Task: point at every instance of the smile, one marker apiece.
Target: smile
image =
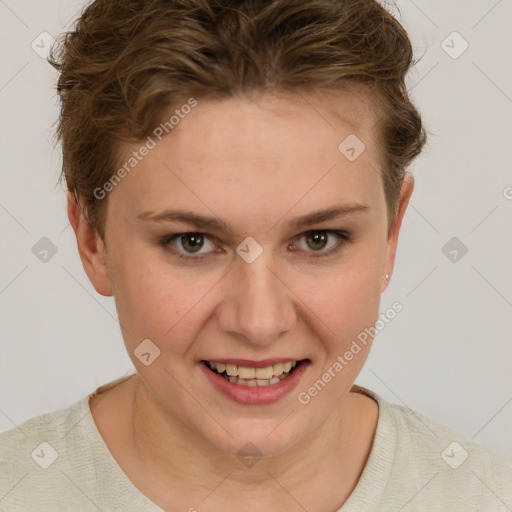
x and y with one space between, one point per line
251 382
252 377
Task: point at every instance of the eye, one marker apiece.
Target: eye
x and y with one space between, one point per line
195 246
190 243
323 242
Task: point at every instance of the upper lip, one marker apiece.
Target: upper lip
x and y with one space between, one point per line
252 364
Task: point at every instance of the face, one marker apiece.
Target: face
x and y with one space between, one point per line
243 242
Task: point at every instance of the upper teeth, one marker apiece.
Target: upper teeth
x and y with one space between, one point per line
246 372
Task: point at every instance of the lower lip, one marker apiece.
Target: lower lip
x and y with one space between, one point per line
255 395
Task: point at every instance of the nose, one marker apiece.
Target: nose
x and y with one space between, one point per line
258 306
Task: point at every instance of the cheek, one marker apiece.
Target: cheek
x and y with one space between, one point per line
347 295
346 306
156 301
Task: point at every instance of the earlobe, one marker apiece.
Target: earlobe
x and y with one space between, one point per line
90 247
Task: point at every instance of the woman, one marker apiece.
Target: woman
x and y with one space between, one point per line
237 179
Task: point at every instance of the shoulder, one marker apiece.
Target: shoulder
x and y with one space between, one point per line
427 436
59 461
50 462
50 428
438 464
34 455
52 437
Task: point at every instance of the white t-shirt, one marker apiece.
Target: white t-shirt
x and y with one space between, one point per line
59 462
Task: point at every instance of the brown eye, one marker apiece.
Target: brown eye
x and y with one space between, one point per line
316 240
189 243
324 242
192 242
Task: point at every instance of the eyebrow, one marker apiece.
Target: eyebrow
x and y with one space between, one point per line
214 223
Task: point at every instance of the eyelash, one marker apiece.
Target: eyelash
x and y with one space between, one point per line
344 237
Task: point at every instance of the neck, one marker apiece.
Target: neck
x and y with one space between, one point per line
330 457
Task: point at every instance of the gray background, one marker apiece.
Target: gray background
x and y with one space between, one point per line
447 354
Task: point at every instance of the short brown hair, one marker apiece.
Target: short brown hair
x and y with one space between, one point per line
125 60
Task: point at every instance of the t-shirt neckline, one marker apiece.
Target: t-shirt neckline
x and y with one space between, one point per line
367 493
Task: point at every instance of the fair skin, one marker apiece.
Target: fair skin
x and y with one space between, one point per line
256 165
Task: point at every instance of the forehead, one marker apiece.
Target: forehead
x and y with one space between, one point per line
260 154
255 127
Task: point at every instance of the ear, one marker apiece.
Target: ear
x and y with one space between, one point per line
405 195
90 247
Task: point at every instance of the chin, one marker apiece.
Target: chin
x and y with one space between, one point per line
257 438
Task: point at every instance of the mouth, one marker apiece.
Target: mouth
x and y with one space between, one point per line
255 382
252 376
